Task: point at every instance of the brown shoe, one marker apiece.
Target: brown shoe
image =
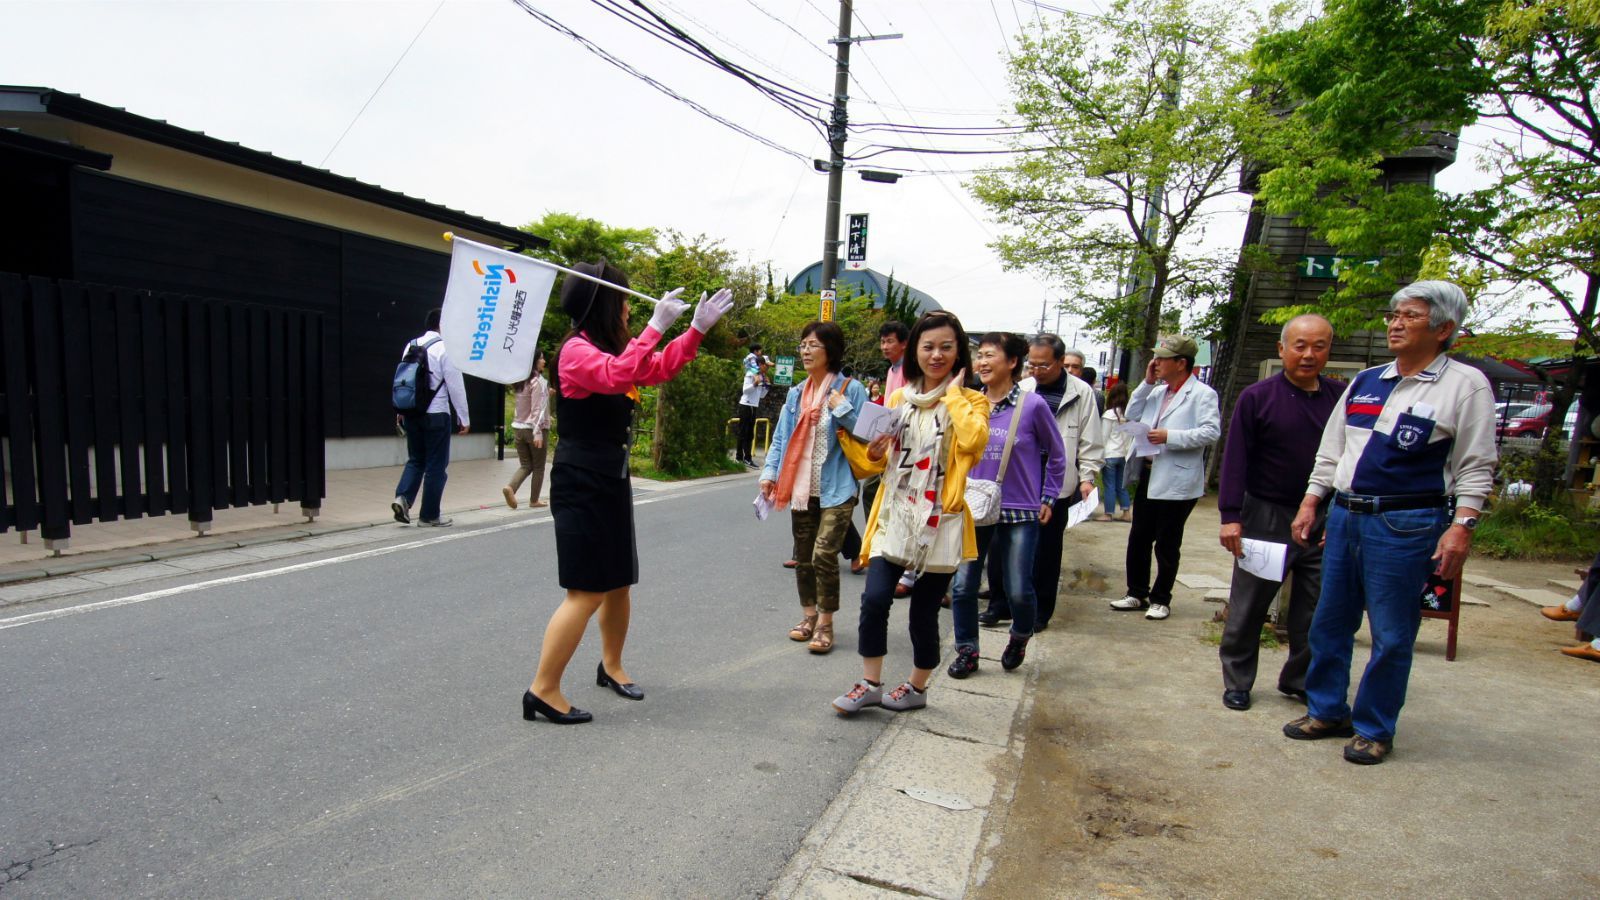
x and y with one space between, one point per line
789 564
511 497
823 641
1558 614
1125 516
1306 728
1582 651
901 589
858 566
804 631
1363 752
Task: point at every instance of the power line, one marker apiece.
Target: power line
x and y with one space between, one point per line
385 81
556 26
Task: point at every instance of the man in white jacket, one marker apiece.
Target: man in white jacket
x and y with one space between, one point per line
1184 419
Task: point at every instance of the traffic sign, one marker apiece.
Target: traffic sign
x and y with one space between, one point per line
856 250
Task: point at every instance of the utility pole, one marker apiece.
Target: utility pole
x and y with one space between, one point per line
837 128
836 134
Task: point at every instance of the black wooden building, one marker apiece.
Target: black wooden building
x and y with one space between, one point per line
103 210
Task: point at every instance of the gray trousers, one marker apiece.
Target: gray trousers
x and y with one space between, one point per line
1250 599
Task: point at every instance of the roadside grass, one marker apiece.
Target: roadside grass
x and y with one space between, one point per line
640 465
1522 529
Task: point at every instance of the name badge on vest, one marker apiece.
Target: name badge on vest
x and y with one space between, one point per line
1410 432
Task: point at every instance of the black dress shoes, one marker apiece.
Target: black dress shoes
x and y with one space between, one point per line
1236 699
991 617
630 690
532 705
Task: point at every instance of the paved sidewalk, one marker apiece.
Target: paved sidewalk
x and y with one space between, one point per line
357 498
916 813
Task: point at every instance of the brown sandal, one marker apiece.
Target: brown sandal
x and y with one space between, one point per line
804 631
823 642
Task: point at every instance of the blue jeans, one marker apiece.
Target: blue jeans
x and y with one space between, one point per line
427 456
1014 545
1115 491
1377 563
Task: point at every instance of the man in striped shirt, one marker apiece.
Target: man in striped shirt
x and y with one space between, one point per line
1406 439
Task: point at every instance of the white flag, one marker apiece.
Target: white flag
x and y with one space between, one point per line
492 309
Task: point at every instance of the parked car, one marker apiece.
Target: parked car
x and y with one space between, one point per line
1527 421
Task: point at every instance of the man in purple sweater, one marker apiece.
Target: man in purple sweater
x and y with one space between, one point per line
1272 445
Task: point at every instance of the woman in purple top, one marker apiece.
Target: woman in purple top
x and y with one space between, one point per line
1033 479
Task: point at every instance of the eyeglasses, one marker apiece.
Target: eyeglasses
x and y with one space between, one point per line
808 345
1406 316
1040 367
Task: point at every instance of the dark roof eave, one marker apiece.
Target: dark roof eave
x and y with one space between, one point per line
71 153
87 112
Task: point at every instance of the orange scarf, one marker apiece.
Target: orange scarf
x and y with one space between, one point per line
794 476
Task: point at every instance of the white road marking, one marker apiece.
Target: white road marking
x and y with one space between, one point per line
51 614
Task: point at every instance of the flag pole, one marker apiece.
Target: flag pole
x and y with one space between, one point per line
450 236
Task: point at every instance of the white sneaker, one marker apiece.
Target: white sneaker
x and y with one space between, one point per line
1128 603
1158 611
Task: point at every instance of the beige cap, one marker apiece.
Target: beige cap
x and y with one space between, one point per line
1176 345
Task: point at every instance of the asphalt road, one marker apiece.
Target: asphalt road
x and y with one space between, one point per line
353 729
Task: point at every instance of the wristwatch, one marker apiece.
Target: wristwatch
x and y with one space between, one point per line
1470 523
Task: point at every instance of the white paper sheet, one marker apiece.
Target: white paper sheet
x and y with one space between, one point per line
1263 559
1141 439
763 507
873 420
1080 511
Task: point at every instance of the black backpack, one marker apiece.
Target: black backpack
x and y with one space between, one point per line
413 393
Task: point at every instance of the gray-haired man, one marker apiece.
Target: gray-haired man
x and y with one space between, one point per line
1406 439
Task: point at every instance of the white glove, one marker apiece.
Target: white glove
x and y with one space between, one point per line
667 311
707 312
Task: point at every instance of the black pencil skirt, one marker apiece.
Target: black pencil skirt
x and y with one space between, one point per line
595 546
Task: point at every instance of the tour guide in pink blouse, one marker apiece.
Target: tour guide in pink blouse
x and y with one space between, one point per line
591 499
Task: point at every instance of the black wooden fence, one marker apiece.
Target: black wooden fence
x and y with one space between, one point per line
118 403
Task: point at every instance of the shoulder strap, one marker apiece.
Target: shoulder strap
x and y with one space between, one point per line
1011 437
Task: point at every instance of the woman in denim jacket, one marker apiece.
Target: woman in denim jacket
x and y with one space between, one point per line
806 471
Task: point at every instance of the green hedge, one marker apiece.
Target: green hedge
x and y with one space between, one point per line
691 413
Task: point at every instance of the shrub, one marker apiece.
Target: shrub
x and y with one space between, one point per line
692 410
1524 529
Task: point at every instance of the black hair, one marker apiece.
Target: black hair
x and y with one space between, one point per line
1117 397
430 322
533 369
1015 349
831 337
755 348
929 321
1058 347
602 322
898 329
1089 375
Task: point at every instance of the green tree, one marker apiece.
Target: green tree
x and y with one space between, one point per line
1151 100
574 239
1370 79
898 305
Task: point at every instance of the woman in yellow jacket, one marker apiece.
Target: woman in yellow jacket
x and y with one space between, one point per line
919 522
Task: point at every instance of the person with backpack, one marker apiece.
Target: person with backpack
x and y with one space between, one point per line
430 402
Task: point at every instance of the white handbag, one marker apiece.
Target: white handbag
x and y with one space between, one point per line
982 495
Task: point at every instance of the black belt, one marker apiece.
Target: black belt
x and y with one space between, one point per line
1363 503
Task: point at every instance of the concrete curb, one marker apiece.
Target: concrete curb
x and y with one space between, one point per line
876 841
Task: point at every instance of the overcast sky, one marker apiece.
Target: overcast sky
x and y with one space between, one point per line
494 113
